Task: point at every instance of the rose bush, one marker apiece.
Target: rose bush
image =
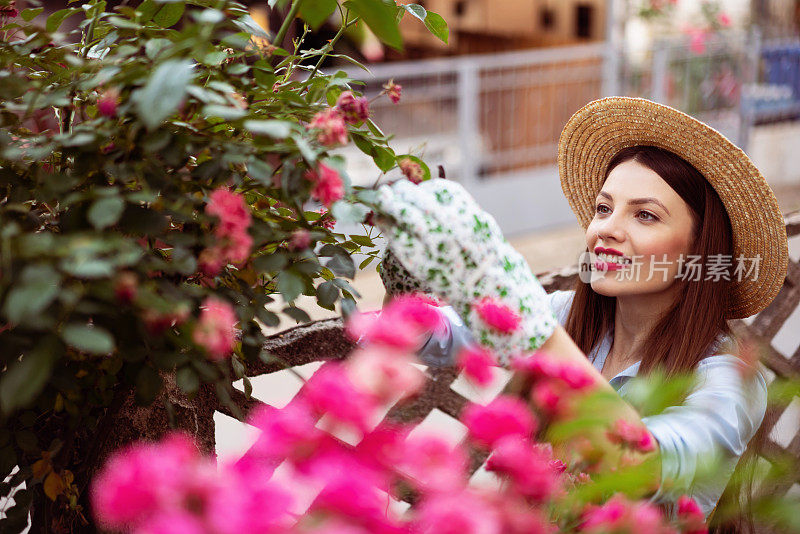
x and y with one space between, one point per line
162 170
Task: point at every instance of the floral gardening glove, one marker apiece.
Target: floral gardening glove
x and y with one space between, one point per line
396 278
441 236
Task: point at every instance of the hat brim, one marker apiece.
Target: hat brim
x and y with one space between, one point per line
602 128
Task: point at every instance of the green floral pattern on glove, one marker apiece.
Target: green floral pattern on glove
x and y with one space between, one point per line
441 236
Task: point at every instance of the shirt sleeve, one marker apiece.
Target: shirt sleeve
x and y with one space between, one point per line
442 348
702 439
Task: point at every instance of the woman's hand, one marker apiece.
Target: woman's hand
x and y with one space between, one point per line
442 237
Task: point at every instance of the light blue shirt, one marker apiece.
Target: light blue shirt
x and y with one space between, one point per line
700 441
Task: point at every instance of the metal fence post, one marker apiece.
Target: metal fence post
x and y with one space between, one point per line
658 87
468 123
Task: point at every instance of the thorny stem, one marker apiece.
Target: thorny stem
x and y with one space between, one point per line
287 21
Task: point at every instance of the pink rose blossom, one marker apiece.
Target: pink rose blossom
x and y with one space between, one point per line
411 170
724 19
387 375
300 240
384 447
393 90
497 315
330 391
9 10
431 464
355 109
328 185
631 435
619 514
173 522
504 416
216 328
402 323
126 287
288 432
231 230
107 103
691 516
697 40
529 468
457 513
330 126
326 220
477 363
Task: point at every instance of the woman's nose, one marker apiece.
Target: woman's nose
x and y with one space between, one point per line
610 228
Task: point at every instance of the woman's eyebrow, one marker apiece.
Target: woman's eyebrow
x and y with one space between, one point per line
644 200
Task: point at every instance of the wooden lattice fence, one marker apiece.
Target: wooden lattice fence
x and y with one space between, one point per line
445 393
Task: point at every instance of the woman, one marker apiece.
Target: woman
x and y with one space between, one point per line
655 191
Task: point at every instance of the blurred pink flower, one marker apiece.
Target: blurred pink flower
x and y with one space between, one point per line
504 416
234 241
530 469
388 375
724 19
173 522
621 515
477 363
355 109
497 315
457 513
330 391
432 465
326 220
107 103
631 435
141 479
300 239
401 324
691 516
216 329
285 432
328 185
411 170
697 40
393 90
330 126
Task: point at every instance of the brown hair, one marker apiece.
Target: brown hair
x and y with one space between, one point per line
681 338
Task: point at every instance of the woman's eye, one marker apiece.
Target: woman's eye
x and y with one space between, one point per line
647 216
601 208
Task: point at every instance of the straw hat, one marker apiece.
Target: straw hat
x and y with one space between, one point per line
604 127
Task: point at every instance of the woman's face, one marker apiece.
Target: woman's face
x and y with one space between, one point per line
639 216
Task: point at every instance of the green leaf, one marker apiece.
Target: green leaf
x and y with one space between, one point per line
247 24
416 10
272 128
380 18
290 285
27 377
342 265
270 263
91 339
30 14
327 294
383 157
223 112
38 286
164 91
105 212
437 26
267 317
348 213
297 314
187 380
362 240
169 14
54 20
315 12
366 262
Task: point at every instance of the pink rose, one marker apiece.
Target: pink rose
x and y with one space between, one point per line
355 109
393 90
328 185
503 417
477 363
330 126
216 329
631 435
530 469
300 240
107 103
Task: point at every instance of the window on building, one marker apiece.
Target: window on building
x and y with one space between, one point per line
547 18
584 17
